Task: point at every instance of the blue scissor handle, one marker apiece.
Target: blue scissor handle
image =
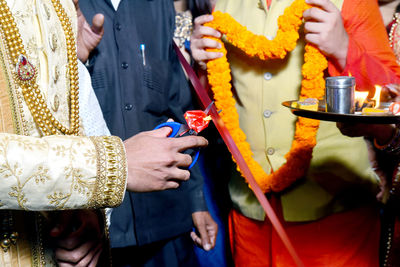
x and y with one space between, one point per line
176 126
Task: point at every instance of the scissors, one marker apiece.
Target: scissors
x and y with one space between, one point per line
179 129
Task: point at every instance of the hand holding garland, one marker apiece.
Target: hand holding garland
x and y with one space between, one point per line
198 44
324 28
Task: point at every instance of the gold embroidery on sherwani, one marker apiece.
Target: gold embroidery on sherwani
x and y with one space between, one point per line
20 254
23 14
109 185
28 165
47 11
26 74
28 15
34 171
32 49
12 121
7 122
41 175
74 175
37 248
91 156
14 171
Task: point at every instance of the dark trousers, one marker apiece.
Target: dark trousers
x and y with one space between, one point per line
174 252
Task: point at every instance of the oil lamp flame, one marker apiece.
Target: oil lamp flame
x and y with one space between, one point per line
377 96
359 98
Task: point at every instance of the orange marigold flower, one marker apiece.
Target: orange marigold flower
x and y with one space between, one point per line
313 84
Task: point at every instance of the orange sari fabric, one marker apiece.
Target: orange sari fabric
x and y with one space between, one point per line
370 58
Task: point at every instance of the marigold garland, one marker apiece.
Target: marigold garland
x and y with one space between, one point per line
313 84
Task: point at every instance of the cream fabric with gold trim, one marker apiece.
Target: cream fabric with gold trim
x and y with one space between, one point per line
60 162
55 172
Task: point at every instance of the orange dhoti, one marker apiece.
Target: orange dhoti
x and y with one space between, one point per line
349 238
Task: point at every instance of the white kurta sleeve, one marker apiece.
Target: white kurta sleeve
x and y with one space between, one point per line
89 108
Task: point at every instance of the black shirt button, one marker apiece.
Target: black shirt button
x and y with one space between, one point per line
124 65
128 107
118 26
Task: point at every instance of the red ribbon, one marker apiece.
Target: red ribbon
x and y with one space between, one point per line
226 136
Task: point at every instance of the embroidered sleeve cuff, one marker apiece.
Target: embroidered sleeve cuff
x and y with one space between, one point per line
111 172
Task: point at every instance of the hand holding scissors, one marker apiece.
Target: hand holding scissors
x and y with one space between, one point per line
197 120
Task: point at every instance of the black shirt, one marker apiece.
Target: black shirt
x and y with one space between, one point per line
135 97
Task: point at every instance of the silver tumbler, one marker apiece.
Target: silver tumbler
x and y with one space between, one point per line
339 94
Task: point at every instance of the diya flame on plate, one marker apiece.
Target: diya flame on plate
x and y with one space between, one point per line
369 106
377 96
361 101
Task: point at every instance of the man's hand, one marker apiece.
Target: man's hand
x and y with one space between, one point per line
381 132
207 228
88 36
324 28
155 161
78 238
198 44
